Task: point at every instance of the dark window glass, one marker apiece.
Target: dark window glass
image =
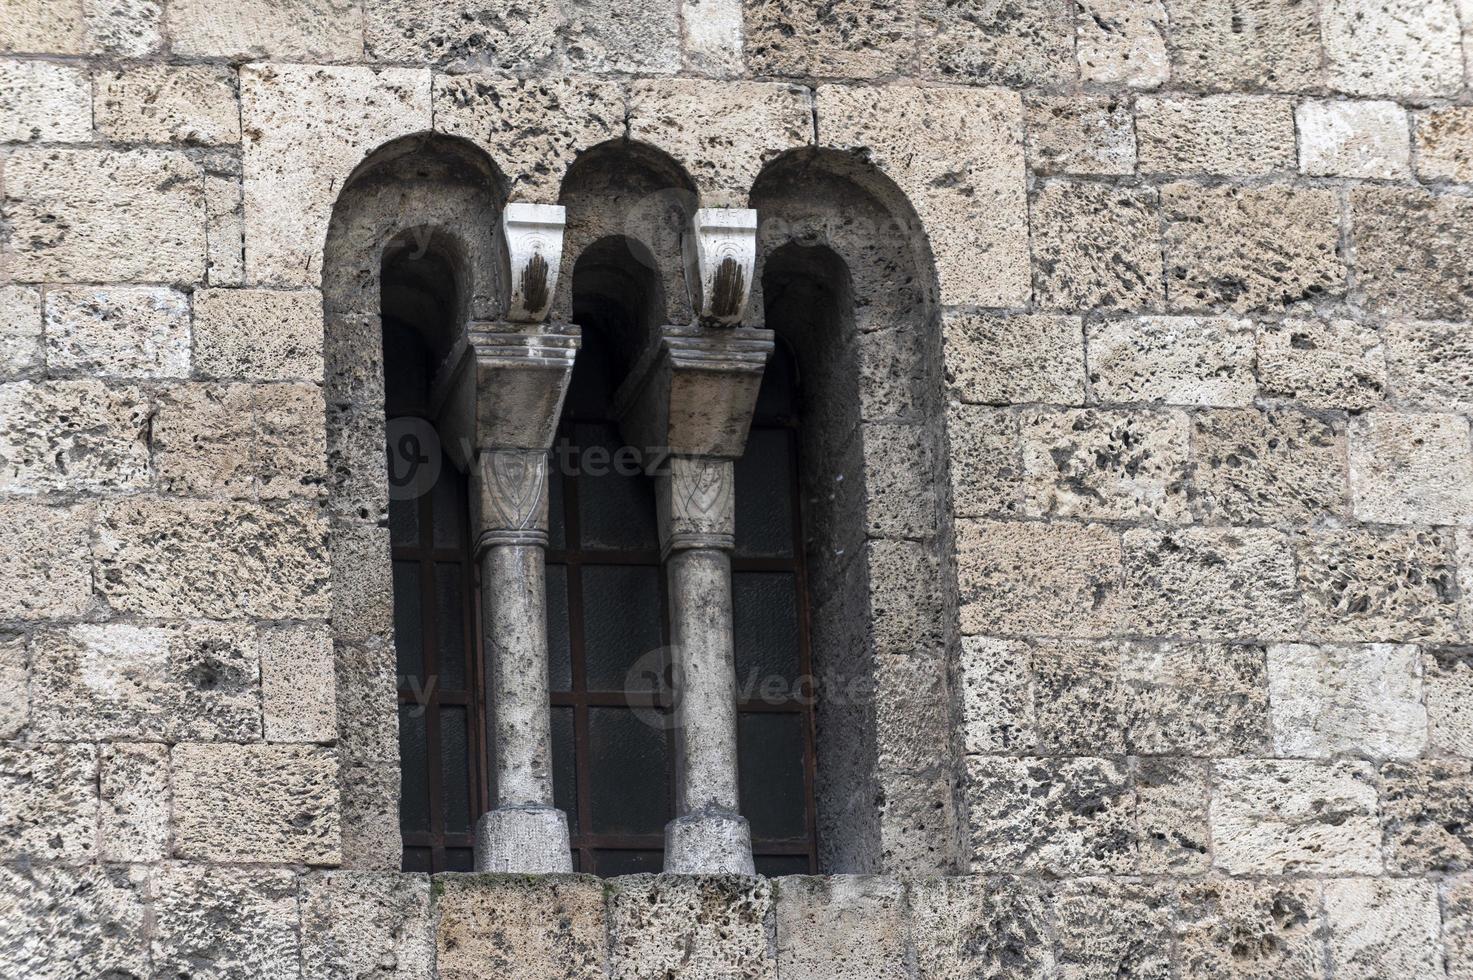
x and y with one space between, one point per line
629 779
622 621
770 749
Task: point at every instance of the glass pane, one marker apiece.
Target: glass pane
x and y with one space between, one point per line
770 767
777 865
564 771
408 643
765 624
559 644
404 522
627 772
616 502
764 495
449 506
460 859
557 536
450 625
417 859
455 769
612 863
621 621
775 397
414 769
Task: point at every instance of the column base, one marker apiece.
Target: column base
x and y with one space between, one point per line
709 842
524 840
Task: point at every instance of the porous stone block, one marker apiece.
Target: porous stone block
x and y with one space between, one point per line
1259 929
1220 135
1411 469
1111 927
258 803
1251 248
44 101
847 39
1118 42
976 926
1322 363
986 465
1457 926
997 696
371 839
918 822
204 440
194 104
133 781
367 924
124 28
181 682
172 558
22 347
1205 361
362 593
298 697
1295 817
1038 579
73 922
48 802
1275 467
1410 257
686 927
105 216
1023 44
306 30
1171 811
1384 927
713 32
495 34
1105 464
1362 585
224 231
1463 559
957 155
224 922
305 129
1080 135
1064 816
1353 139
1444 138
1431 364
1213 583
117 331
904 605
608 36
1270 45
1427 811
1447 684
15 698
1392 47
73 436
844 927
1343 700
1096 246
1193 699
47 570
258 334
291 441
520 927
1077 698
1002 359
366 688
899 480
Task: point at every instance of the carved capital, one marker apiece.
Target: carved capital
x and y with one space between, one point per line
697 503
533 236
720 250
509 497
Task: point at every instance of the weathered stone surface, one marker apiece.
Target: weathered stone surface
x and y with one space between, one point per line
224 231
1250 248
1427 809
918 822
713 31
904 608
1111 927
1431 364
1096 246
125 28
492 33
170 558
258 334
899 474
291 441
1294 817
41 100
1004 360
204 440
72 922
1353 139
1265 930
366 924
1445 143
1392 47
1171 811
15 698
169 104
1340 700
1103 464
997 697
844 927
261 803
224 922
298 698
1077 698
986 468
183 682
362 581
1447 684
73 435
307 30
1030 42
681 927
1193 699
134 784
1038 579
47 573
1463 559
1411 469
1457 926
1210 583
1322 363
1409 253
1383 928
371 839
366 688
848 39
1221 135
1244 44
957 155
608 36
1080 135
305 129
105 216
22 348
121 331
48 802
1362 585
975 926
1120 42
1073 816
1174 360
520 928
1274 467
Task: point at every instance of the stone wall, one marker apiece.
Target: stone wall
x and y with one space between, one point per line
1202 293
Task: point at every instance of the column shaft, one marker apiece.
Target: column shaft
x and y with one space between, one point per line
706 717
515 621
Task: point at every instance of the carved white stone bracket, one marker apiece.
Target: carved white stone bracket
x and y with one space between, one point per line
720 251
533 236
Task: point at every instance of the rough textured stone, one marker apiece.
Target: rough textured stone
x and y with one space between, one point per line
1109 927
1038 579
608 36
306 30
298 699
980 927
170 558
986 465
1353 139
1171 811
1294 817
1004 360
1221 135
1077 698
260 803
848 39
1193 699
48 802
1322 363
43 101
124 28
169 104
1173 360
492 33
1017 43
1445 143
224 922
1250 248
841 928
47 573
105 216
366 924
1427 809
1074 135
899 473
1105 464
1211 583
1071 816
72 922
1121 42
1457 927
1411 469
73 435
225 231
1447 683
1392 47
22 348
362 581
1264 930
15 699
371 839
1338 700
1383 928
520 928
291 441
1244 44
1274 467
134 785
680 927
185 682
1096 246
1362 585
122 331
1409 253
365 684
258 334
1431 364
203 440
713 31
918 822
1463 559
997 698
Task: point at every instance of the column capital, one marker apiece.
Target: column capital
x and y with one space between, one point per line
720 253
509 498
532 242
697 504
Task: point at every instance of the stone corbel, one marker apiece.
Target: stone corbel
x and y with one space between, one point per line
533 247
720 250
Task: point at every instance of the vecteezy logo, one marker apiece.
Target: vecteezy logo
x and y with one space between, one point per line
653 688
414 457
